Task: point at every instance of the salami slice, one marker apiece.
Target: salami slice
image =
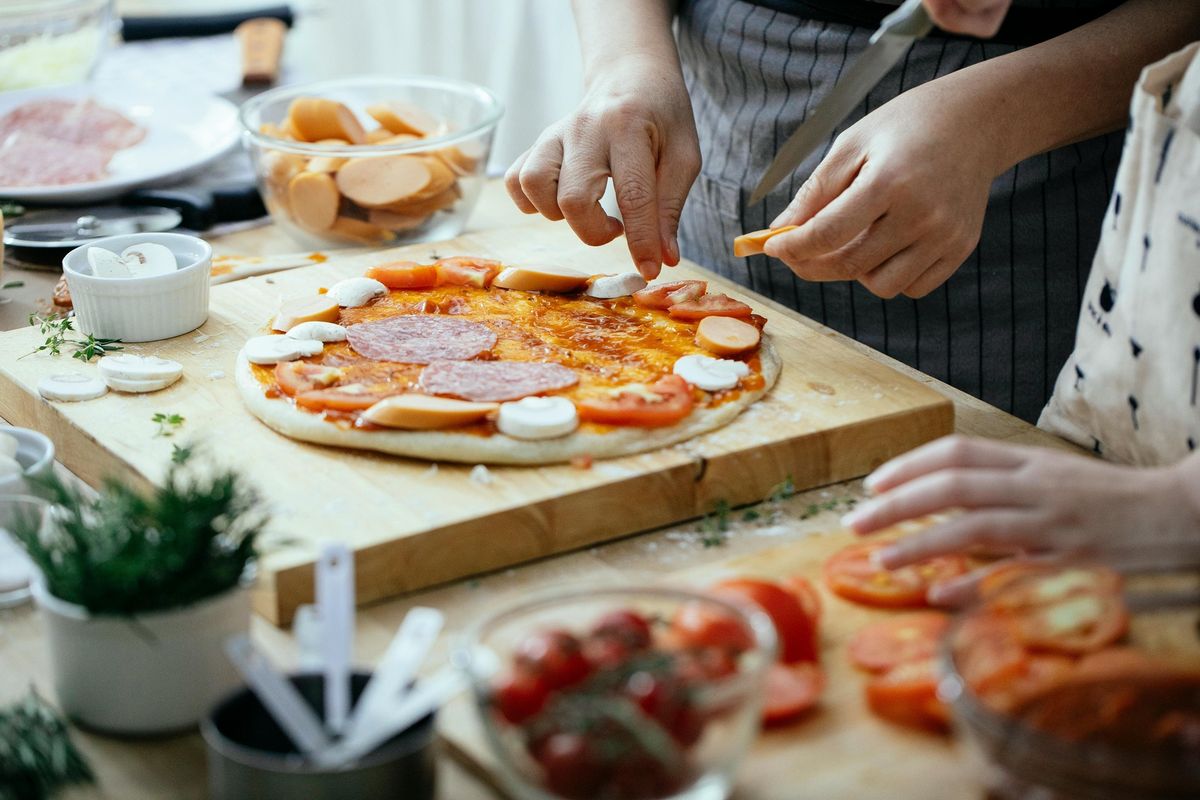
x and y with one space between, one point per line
492 381
420 339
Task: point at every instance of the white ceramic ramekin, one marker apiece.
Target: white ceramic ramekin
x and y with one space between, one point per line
142 309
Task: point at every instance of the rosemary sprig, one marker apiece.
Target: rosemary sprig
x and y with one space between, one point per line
37 756
12 284
167 425
56 331
126 553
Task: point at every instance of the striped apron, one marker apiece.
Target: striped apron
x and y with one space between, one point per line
1003 325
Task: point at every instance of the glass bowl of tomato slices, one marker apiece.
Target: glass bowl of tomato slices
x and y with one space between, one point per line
1076 683
591 694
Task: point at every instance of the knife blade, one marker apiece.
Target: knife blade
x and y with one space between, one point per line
888 45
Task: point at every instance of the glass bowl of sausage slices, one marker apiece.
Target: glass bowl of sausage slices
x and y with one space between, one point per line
1074 682
371 161
593 694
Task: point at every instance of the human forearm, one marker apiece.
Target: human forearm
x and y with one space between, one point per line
1071 87
616 29
1186 475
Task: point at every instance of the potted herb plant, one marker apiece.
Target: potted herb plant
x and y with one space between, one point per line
139 591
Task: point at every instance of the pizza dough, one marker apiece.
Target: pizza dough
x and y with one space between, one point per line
470 448
458 345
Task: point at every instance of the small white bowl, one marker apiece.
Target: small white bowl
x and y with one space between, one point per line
142 309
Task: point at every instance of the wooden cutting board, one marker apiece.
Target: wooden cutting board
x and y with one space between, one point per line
834 414
840 750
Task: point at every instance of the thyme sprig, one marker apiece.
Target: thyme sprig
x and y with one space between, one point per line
125 553
37 756
56 331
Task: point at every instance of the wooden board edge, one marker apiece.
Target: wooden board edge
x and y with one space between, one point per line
685 491
78 450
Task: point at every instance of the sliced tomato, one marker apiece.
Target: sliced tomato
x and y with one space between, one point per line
297 377
790 691
336 400
635 410
908 637
710 305
699 625
1037 673
810 599
665 295
405 275
988 652
466 271
1020 586
1079 623
1112 662
795 629
852 574
907 695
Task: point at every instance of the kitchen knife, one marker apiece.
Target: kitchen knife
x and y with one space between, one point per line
888 45
139 29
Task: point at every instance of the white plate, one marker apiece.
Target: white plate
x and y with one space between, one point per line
183 134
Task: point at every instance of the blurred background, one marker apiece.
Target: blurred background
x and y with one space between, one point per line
525 51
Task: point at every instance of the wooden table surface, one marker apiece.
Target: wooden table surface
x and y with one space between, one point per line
174 767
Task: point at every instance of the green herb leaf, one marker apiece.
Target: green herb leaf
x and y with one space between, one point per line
180 455
37 756
12 285
91 347
167 423
124 552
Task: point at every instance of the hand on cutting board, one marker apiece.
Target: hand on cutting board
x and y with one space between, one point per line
898 202
634 125
973 17
1021 500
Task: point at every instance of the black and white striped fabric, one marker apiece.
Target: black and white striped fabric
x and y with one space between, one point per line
1003 326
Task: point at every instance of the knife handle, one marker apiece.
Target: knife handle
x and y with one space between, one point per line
910 19
262 46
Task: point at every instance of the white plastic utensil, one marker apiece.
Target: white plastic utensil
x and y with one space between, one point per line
335 609
404 656
429 694
306 628
278 695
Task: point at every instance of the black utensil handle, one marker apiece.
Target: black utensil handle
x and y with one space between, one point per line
200 208
134 29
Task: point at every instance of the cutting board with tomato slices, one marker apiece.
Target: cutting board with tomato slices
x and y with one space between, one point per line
839 749
834 414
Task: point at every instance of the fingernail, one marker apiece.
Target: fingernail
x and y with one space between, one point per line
673 251
870 482
884 557
851 519
938 594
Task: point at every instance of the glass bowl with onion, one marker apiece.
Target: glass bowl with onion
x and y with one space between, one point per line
1071 681
589 694
371 161
52 42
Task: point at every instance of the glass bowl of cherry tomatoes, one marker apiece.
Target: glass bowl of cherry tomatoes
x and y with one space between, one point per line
593 694
1072 681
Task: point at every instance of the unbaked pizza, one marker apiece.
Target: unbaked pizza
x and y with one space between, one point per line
467 359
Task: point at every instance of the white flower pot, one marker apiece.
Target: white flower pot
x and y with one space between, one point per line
153 673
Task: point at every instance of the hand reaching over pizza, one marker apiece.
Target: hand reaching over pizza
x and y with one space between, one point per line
467 359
